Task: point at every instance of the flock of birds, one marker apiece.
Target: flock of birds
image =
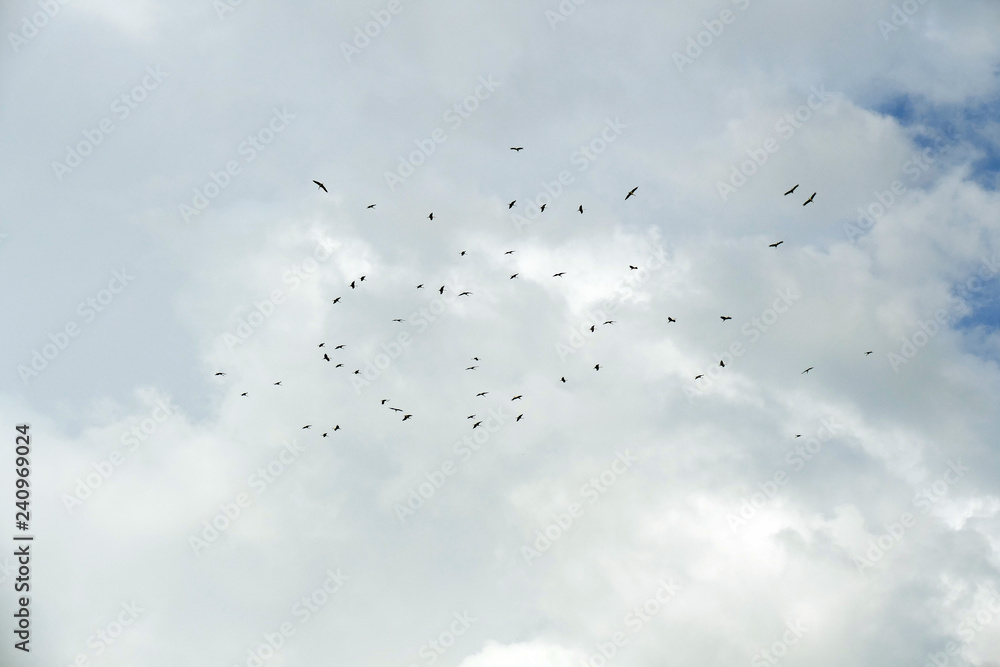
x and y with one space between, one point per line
597 367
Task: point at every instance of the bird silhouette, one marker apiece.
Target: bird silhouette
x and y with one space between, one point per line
430 217
792 190
698 377
811 197
725 317
633 268
339 347
398 320
462 254
321 186
559 275
475 358
511 205
337 427
807 370
591 328
384 401
471 417
563 379
220 373
371 205
513 276
277 384
339 366
722 364
396 409
775 245
420 286
476 425
610 322
670 319
306 426
517 148
441 291
519 418
516 397
326 357
472 368
321 344
581 208
243 394
868 352
337 300
352 285
631 193
482 393
597 367
362 278
510 252
465 294
542 209
405 417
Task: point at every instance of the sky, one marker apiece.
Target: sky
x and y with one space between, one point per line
551 470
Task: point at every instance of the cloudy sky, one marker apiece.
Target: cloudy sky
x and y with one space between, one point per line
161 226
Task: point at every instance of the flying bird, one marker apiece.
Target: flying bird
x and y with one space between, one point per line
337 300
306 426
516 397
807 370
511 205
371 205
591 328
670 319
405 417
631 193
471 417
420 286
513 276
337 427
792 190
321 186
811 197
510 252
597 367
326 357
610 322
465 294
725 317
441 291
542 209
277 384
775 245
396 409
462 253
384 401
563 379
517 148
476 425
430 217
243 394
321 345
633 268
868 352
698 377
472 368
398 320
352 285
559 275
357 372
362 278
581 208
220 373
339 347
339 366
722 364
482 393
519 418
